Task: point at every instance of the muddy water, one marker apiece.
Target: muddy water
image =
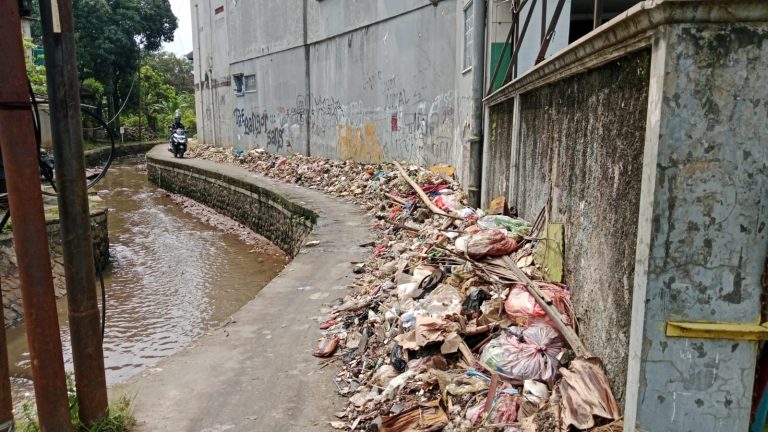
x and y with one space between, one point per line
171 279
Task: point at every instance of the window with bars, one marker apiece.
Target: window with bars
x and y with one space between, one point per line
250 83
237 83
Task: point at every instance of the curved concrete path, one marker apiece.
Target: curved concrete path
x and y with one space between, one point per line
257 373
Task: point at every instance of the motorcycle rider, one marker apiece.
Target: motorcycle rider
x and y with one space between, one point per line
175 125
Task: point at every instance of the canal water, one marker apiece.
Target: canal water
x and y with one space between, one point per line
171 279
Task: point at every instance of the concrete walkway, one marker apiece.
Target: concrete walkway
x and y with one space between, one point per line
257 373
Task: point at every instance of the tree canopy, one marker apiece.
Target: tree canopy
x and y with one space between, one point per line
111 35
114 39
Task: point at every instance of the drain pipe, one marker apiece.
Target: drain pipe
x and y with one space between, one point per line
476 122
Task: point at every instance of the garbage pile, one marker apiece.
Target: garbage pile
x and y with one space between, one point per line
456 321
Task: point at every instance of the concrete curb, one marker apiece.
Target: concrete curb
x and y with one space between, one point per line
257 373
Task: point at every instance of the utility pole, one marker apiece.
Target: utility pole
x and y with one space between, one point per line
30 237
77 243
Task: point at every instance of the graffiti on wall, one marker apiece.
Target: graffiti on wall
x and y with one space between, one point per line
258 124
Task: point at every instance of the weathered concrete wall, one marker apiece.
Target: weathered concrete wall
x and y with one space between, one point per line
369 80
387 90
211 69
13 311
275 115
331 18
283 222
581 145
258 28
702 241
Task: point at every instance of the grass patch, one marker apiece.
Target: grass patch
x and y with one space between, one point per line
119 416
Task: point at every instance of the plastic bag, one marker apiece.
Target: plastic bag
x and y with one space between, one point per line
503 410
490 243
444 300
397 358
448 203
473 302
516 228
529 355
524 310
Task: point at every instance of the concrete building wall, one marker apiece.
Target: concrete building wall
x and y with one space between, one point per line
647 138
258 28
274 115
375 80
702 242
329 18
387 90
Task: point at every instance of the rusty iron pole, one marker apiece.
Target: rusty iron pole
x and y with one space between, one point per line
30 237
74 214
597 16
6 403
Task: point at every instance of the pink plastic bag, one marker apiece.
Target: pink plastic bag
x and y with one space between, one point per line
490 243
524 310
503 411
530 355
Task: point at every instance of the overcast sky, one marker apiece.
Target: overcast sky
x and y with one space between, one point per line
182 40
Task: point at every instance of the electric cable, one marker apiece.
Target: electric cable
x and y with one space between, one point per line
47 173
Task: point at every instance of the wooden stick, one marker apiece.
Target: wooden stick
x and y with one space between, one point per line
567 332
396 199
424 198
399 225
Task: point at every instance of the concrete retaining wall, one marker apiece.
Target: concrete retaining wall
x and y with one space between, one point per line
9 277
646 138
99 155
283 222
585 156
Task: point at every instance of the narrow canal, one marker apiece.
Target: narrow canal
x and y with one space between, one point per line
171 279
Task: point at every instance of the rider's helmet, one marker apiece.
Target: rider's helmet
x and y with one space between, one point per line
177 117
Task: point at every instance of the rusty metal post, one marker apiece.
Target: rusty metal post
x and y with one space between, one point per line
30 238
597 17
74 214
6 403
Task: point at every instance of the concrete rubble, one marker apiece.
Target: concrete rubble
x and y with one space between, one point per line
458 320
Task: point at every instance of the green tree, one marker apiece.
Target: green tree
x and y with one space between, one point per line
159 99
111 35
176 70
35 72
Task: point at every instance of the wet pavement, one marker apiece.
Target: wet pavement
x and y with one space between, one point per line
171 280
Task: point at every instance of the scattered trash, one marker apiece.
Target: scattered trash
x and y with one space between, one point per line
490 243
312 243
524 310
326 347
428 417
586 394
457 320
530 354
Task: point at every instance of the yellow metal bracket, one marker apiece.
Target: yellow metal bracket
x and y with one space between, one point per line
715 330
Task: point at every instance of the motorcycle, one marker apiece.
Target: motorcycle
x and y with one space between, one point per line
178 145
